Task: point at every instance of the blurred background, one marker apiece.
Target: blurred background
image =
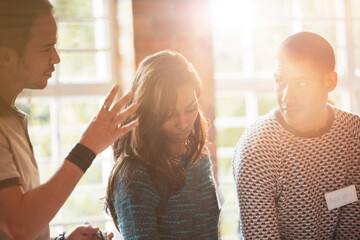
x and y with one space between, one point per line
231 43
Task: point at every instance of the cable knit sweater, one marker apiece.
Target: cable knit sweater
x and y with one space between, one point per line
190 213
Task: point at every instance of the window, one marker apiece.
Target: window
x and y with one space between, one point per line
95 44
246 37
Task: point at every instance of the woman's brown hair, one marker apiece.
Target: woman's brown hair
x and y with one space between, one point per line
155 88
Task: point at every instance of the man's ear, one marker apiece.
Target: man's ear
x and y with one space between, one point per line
331 80
8 57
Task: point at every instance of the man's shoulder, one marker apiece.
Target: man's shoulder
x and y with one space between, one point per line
264 127
347 119
258 146
345 114
260 138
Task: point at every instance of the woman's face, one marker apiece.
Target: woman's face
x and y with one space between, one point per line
179 123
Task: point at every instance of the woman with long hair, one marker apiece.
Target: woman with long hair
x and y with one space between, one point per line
161 185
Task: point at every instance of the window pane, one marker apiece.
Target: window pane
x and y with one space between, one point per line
228 137
229 223
228 48
224 167
229 55
84 67
75 114
76 35
46 171
341 61
93 174
38 110
356 32
82 204
266 41
273 8
355 6
326 30
80 8
357 102
266 103
228 62
67 140
77 111
39 113
318 8
83 35
232 106
74 8
357 62
42 146
229 219
230 194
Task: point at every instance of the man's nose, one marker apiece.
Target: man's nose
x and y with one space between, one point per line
54 56
289 95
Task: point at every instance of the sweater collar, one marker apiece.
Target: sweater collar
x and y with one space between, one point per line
314 134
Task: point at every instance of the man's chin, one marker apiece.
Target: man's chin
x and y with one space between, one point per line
39 85
291 119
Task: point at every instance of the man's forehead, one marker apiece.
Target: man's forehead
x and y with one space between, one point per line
289 63
43 29
281 66
293 70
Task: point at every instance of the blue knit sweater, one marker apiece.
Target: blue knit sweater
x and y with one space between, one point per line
190 213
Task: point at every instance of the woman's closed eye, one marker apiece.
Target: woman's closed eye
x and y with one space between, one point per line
192 108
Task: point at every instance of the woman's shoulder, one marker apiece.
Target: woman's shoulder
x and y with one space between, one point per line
135 185
203 162
134 174
205 156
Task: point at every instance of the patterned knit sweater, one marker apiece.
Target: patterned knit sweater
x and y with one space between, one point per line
282 177
190 213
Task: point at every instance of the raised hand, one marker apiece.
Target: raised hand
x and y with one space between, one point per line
107 125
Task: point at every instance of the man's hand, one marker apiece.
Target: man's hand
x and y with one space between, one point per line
87 232
107 126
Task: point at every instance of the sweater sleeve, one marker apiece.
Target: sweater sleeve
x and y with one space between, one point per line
254 171
136 206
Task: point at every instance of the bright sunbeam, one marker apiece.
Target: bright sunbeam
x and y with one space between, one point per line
230 14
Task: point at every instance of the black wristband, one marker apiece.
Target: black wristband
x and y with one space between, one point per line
81 156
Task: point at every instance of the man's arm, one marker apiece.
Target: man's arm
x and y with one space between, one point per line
256 183
26 213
